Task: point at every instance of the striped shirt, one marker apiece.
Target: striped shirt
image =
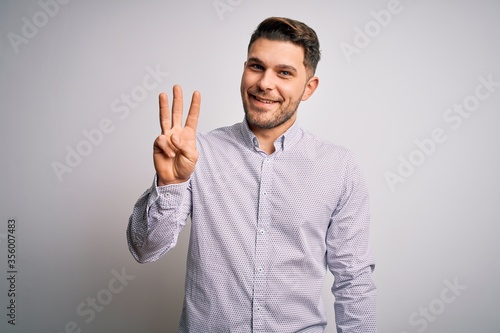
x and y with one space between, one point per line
264 231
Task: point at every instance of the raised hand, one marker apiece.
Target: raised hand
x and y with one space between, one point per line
174 150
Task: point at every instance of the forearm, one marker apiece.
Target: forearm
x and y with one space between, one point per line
355 303
156 221
350 257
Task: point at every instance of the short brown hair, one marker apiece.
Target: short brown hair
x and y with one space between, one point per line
286 29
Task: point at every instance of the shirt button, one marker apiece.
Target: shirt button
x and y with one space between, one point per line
262 231
260 269
264 193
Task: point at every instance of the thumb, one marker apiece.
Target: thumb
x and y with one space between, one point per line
175 141
184 147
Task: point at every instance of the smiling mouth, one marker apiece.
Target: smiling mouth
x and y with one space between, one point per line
261 100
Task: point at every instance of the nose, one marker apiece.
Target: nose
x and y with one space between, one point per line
266 81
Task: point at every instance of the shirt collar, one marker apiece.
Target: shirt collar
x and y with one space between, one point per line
285 141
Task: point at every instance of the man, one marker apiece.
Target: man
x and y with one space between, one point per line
272 206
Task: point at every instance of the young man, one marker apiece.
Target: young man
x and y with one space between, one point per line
272 206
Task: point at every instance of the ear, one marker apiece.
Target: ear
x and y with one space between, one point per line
311 86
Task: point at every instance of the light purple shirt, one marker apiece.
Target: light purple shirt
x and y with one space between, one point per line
264 231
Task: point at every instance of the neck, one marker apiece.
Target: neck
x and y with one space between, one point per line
267 136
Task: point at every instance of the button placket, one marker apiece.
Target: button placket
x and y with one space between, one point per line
262 243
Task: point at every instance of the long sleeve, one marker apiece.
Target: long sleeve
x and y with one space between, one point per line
350 258
261 228
157 218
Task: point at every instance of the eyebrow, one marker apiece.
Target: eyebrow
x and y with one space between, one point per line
279 66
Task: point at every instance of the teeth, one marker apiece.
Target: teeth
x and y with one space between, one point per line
263 101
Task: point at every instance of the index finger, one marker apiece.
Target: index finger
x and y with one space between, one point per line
194 111
177 106
164 113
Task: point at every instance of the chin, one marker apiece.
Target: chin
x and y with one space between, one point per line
253 121
264 122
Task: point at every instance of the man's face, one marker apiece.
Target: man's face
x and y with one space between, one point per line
274 82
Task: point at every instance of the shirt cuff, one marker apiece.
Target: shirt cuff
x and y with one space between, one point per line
167 194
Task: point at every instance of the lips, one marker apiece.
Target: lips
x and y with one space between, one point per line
261 100
266 101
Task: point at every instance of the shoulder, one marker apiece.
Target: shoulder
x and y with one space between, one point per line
220 137
337 161
323 147
221 132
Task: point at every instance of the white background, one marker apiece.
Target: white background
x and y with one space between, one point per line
436 226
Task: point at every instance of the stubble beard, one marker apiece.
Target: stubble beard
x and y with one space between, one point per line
259 118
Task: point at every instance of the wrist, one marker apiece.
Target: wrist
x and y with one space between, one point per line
163 182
